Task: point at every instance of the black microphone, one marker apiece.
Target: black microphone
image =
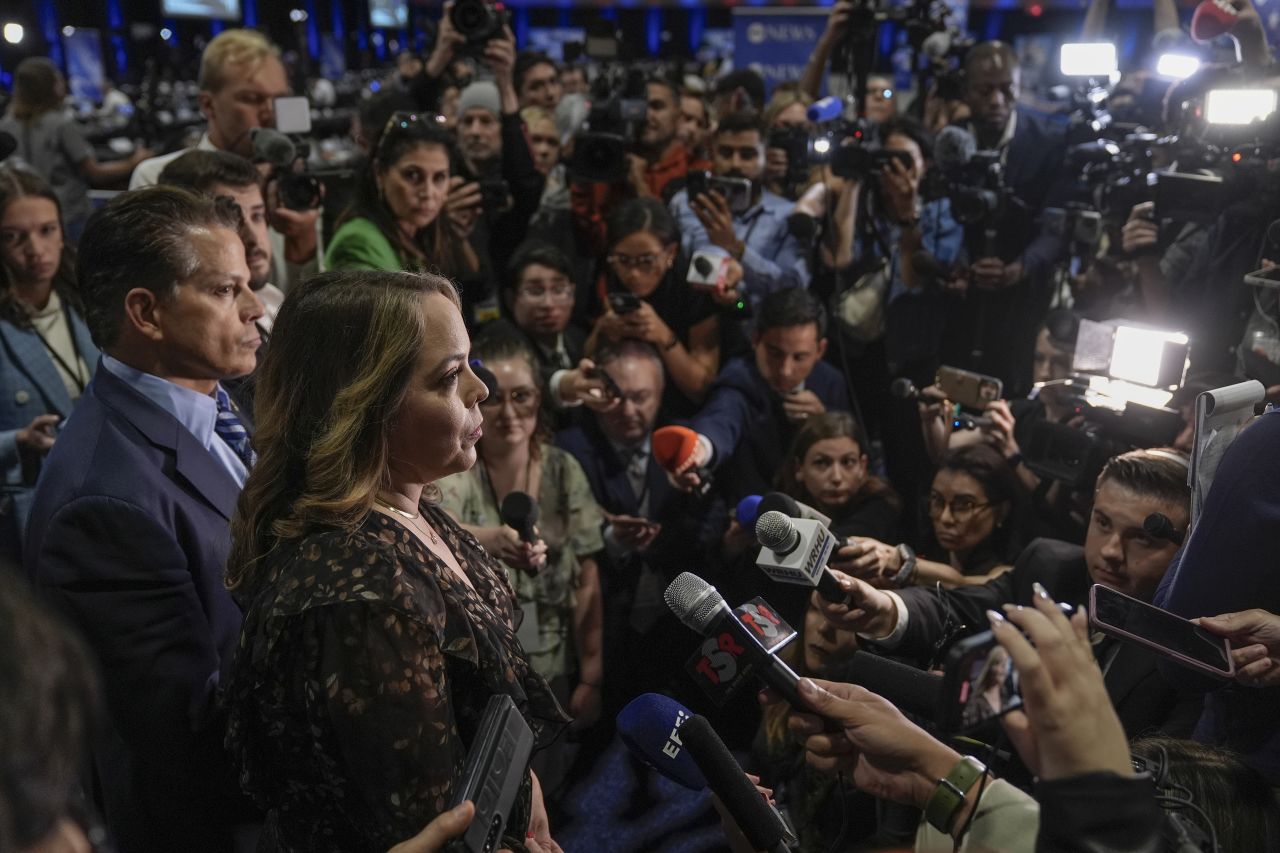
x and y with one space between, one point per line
520 511
702 608
703 266
272 146
912 690
727 780
787 505
796 551
8 145
904 389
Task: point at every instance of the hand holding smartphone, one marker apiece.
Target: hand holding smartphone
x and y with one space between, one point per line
1126 618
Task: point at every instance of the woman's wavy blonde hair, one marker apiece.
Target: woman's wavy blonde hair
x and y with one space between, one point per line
342 351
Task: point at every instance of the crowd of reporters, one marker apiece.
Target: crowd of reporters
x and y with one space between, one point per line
665 308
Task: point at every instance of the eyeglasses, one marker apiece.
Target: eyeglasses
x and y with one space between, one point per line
962 507
523 400
403 121
557 292
643 263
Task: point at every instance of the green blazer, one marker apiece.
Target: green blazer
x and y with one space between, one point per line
359 245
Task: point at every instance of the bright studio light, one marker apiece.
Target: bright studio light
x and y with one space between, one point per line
1088 59
1238 106
1139 355
1177 66
821 145
13 33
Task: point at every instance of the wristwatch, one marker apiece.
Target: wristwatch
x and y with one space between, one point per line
950 793
908 568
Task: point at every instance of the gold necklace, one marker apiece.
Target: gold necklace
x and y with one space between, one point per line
412 516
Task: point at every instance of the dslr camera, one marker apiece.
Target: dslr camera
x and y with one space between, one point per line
478 21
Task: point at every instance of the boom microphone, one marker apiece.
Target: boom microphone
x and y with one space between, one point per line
954 148
702 608
1211 19
796 551
760 824
787 505
272 146
650 727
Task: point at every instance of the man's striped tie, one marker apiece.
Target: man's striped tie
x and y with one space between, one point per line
232 431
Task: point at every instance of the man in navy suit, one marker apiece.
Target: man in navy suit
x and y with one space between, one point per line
757 404
1009 282
129 527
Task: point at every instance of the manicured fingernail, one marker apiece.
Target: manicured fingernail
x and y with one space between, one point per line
1039 590
808 688
996 618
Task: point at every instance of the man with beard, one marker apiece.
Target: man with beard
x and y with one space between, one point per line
657 159
765 255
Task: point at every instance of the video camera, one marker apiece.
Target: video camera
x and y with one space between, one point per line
619 106
1123 377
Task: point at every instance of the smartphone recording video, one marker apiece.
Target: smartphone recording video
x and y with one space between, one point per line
979 684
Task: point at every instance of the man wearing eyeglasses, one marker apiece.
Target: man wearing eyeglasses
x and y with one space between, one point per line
765 255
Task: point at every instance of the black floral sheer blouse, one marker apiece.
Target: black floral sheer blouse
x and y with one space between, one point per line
363 669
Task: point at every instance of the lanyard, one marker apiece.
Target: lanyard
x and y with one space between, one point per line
76 376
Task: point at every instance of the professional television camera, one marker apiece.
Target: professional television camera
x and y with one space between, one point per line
1123 377
973 180
618 109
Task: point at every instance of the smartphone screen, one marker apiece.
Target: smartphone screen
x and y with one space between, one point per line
1128 618
980 683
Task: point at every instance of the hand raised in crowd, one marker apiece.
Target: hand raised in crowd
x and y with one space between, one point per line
868 559
890 756
462 207
38 436
1255 640
685 478
444 827
1000 432
1141 231
297 226
500 56
936 421
583 384
898 192
870 611
713 212
1069 726
837 21
644 324
539 838
729 292
638 176
632 532
448 40
800 405
505 543
995 274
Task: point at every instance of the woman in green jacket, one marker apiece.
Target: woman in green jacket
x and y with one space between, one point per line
395 220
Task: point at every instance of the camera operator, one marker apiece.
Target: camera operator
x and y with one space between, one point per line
241 76
1008 282
696 125
536 80
658 158
1117 553
766 255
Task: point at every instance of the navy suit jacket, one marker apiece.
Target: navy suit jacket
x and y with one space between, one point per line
128 536
745 422
29 386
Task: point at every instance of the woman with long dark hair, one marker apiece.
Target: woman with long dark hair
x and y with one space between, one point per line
376 629
51 143
395 220
47 356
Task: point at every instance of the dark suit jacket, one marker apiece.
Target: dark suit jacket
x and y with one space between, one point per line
745 422
128 537
29 386
1143 699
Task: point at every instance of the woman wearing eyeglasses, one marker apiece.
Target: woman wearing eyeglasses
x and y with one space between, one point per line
555 578
642 294
46 354
977 509
393 223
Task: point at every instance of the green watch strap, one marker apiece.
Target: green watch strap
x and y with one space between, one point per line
950 793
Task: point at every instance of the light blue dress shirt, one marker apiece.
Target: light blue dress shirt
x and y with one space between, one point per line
773 259
195 411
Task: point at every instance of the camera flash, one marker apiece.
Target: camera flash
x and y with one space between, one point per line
1238 106
1088 59
1177 66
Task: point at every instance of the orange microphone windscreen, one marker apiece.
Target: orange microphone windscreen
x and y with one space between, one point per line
672 445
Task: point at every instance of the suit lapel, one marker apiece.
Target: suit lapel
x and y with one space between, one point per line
194 464
31 357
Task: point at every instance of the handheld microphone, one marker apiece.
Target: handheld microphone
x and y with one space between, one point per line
8 145
650 727
796 551
912 690
826 109
673 446
272 146
787 505
707 269
747 511
520 511
1211 19
759 822
702 608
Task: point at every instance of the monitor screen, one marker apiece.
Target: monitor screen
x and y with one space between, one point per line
389 13
223 10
